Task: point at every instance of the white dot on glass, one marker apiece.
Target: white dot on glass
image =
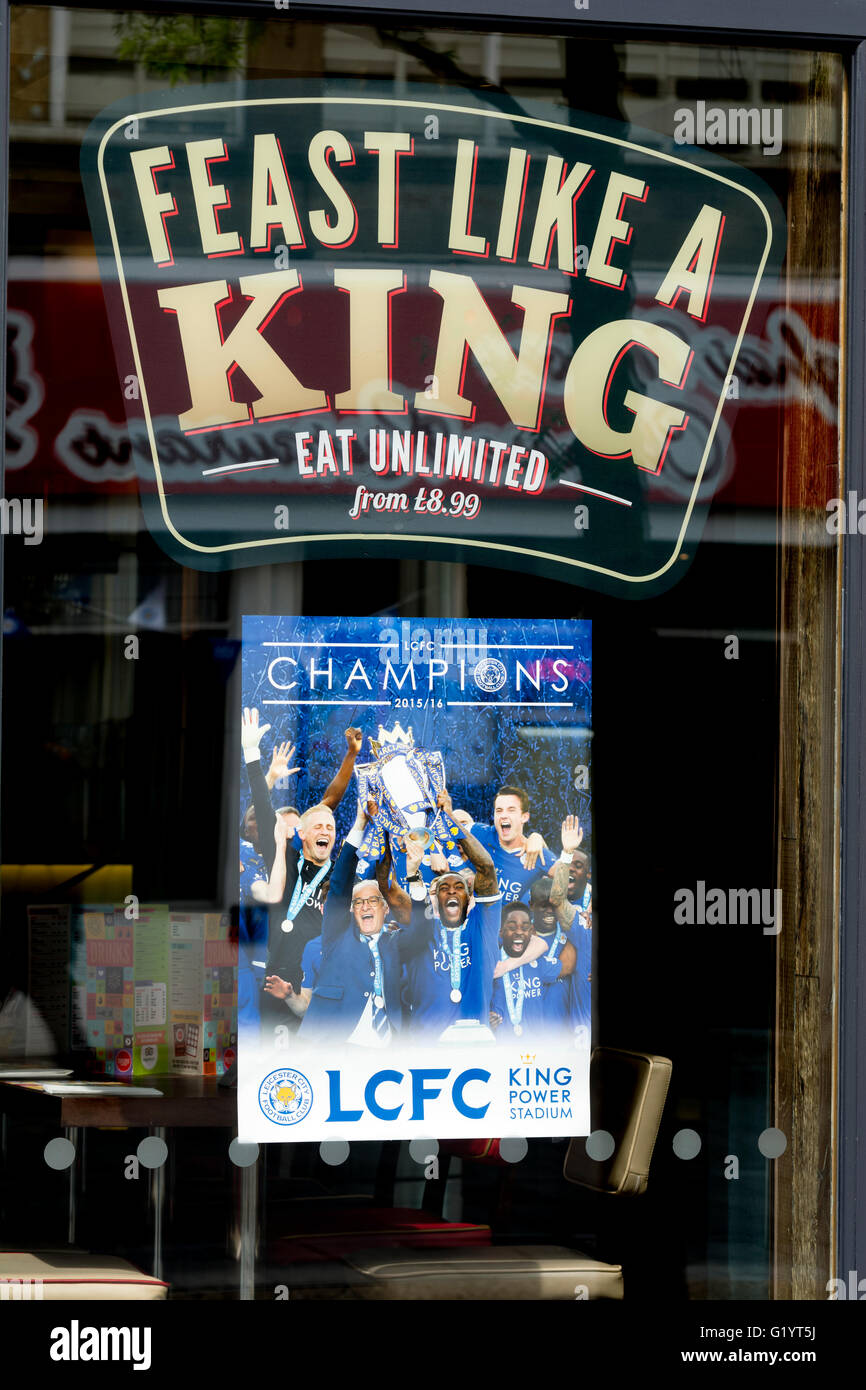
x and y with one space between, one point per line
243 1155
687 1143
772 1143
333 1152
512 1150
422 1150
59 1153
600 1145
152 1152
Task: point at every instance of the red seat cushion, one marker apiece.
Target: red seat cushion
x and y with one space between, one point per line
328 1235
478 1150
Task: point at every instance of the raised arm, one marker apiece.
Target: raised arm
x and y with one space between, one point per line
415 937
572 836
273 890
279 768
396 897
565 911
342 874
251 736
535 845
567 961
336 918
537 948
549 970
486 882
336 789
296 1000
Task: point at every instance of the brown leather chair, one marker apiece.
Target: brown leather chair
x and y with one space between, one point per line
628 1091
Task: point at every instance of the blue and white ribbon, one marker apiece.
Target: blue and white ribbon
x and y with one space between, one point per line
515 993
301 893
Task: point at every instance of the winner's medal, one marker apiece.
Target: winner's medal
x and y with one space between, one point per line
514 997
301 893
452 955
379 1001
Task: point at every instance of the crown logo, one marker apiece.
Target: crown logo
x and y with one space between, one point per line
528 1056
393 738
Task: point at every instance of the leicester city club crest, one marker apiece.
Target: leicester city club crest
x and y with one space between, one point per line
285 1096
490 674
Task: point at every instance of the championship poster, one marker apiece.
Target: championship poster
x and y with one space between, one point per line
415 878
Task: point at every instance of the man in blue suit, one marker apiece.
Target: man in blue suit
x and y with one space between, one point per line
357 998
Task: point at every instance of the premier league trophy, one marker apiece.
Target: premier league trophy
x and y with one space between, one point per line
405 782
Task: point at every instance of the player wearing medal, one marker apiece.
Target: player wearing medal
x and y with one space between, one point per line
571 900
520 859
400 910
451 981
298 866
357 995
518 1005
556 999
263 815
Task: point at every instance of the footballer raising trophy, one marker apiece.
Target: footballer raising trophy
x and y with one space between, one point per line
404 782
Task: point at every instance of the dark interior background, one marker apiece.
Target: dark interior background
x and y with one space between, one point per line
114 762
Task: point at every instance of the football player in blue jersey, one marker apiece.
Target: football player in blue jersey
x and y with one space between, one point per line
579 887
518 1005
571 900
450 983
557 1000
519 858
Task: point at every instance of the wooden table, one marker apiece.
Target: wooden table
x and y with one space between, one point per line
194 1102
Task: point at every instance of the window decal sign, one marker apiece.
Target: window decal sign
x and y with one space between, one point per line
369 322
415 879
